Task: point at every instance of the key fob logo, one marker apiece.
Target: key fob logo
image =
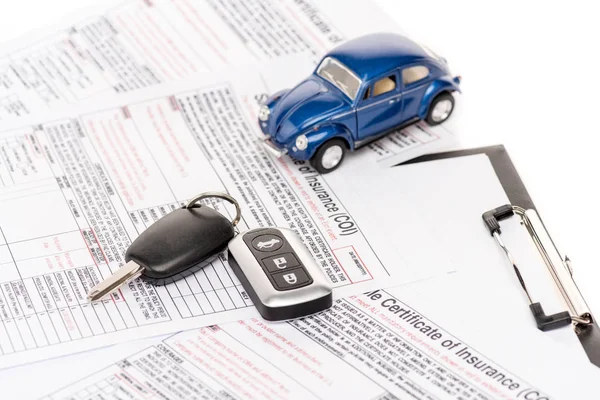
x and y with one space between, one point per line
268 244
280 262
290 278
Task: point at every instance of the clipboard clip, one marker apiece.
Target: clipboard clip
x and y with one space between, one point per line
560 268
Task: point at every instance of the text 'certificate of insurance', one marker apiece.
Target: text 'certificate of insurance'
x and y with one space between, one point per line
372 346
76 192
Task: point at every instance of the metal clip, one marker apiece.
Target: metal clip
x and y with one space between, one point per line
560 268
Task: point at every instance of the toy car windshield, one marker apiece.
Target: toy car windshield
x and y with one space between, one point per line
340 76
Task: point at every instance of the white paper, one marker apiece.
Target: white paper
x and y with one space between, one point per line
373 346
433 216
453 194
53 374
482 304
79 187
390 219
138 44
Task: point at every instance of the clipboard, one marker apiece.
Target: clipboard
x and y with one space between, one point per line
589 333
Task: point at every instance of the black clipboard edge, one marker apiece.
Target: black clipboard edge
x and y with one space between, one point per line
502 164
516 192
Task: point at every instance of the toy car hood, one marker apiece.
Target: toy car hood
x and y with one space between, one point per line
309 103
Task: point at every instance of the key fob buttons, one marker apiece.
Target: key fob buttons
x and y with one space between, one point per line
284 283
280 262
277 259
267 243
292 279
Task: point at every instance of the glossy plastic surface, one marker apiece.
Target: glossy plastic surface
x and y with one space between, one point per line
180 243
321 111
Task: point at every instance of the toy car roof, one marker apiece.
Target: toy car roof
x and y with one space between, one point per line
371 55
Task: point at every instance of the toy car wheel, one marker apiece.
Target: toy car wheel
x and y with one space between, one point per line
329 156
441 108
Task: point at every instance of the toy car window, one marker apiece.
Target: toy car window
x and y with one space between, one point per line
414 74
384 85
340 76
367 93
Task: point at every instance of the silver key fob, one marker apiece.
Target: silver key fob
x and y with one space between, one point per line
279 273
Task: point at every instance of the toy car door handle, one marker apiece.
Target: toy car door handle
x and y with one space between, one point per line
395 99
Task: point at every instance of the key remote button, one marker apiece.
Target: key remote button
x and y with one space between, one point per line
281 262
291 279
267 243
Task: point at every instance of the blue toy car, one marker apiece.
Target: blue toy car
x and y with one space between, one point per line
360 91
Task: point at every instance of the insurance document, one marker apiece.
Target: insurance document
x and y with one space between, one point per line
371 346
485 309
78 188
135 44
138 44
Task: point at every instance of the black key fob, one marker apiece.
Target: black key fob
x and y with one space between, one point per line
180 244
279 274
177 245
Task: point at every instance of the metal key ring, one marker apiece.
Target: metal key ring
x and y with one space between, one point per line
219 195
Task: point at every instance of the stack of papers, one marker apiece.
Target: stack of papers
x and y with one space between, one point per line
121 115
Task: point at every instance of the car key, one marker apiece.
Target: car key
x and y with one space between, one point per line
177 245
279 273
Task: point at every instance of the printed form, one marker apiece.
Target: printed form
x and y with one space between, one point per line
371 346
77 190
470 330
139 44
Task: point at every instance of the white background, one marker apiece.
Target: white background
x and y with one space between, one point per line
531 81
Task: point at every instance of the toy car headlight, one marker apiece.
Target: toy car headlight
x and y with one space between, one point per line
263 113
301 142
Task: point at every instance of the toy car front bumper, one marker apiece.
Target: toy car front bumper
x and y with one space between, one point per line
274 150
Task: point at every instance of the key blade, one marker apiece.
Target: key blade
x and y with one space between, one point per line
127 272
